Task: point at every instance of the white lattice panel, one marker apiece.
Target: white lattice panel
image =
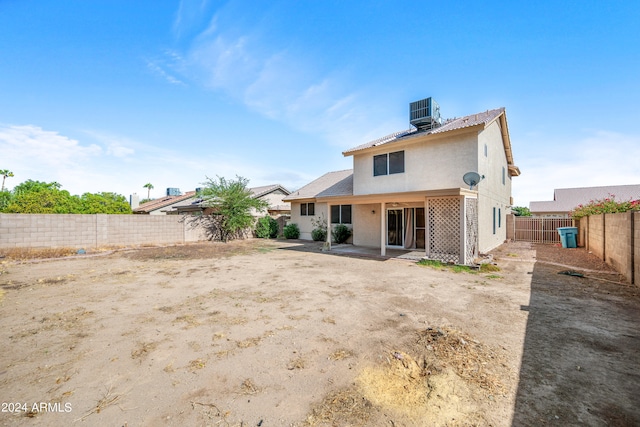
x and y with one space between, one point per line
444 229
471 222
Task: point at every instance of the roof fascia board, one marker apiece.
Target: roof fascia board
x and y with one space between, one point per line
418 137
410 196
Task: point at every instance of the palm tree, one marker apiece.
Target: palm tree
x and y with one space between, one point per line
6 173
149 187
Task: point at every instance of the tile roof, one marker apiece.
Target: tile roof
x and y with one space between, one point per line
565 199
266 189
196 202
336 183
162 202
449 125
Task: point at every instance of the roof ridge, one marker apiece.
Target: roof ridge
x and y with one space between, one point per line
483 117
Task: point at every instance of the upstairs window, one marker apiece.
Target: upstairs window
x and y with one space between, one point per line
386 164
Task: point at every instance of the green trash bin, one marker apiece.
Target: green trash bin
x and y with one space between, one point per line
568 236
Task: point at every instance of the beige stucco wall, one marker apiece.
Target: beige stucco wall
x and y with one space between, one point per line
304 222
429 165
366 225
275 198
492 193
432 164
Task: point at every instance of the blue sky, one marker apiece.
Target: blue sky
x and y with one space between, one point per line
107 95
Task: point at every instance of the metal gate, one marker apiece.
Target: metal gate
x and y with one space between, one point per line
539 230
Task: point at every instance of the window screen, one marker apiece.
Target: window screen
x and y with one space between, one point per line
335 214
380 165
396 162
345 214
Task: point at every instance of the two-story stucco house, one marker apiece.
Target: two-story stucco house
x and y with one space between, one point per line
406 190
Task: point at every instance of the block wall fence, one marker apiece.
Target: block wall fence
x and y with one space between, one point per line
614 238
91 231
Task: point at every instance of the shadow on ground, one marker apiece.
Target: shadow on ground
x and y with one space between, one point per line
352 251
581 352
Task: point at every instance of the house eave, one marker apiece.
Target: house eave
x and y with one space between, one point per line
400 197
417 137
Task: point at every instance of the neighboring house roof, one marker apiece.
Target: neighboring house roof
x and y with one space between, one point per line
479 119
196 203
338 183
266 189
162 202
566 199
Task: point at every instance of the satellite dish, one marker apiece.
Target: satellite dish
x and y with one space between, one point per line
472 179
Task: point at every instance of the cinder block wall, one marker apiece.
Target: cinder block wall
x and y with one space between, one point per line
596 235
636 248
84 231
510 224
617 246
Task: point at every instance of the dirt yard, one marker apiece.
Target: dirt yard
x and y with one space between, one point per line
260 333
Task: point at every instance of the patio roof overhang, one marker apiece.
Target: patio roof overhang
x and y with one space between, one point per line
402 197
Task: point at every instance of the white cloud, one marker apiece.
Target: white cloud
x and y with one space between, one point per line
119 164
116 146
190 13
602 158
284 85
19 145
156 68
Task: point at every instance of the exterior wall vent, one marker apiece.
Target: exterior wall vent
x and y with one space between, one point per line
173 191
425 114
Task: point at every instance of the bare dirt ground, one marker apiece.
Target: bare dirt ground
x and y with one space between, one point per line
259 333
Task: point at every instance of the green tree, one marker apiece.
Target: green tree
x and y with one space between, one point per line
267 228
48 197
149 187
520 211
42 197
5 199
230 207
107 203
6 173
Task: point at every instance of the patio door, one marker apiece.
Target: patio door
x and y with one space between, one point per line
420 228
395 227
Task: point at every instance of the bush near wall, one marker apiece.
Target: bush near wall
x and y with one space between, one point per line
603 206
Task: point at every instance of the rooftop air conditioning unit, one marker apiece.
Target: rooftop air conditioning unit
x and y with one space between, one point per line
173 192
425 114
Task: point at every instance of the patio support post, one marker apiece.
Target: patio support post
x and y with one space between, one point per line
383 227
427 230
463 232
328 244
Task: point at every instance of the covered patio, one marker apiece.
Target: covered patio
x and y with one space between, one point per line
440 224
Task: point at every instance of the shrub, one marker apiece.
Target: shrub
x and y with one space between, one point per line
341 233
267 228
319 234
606 205
291 231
